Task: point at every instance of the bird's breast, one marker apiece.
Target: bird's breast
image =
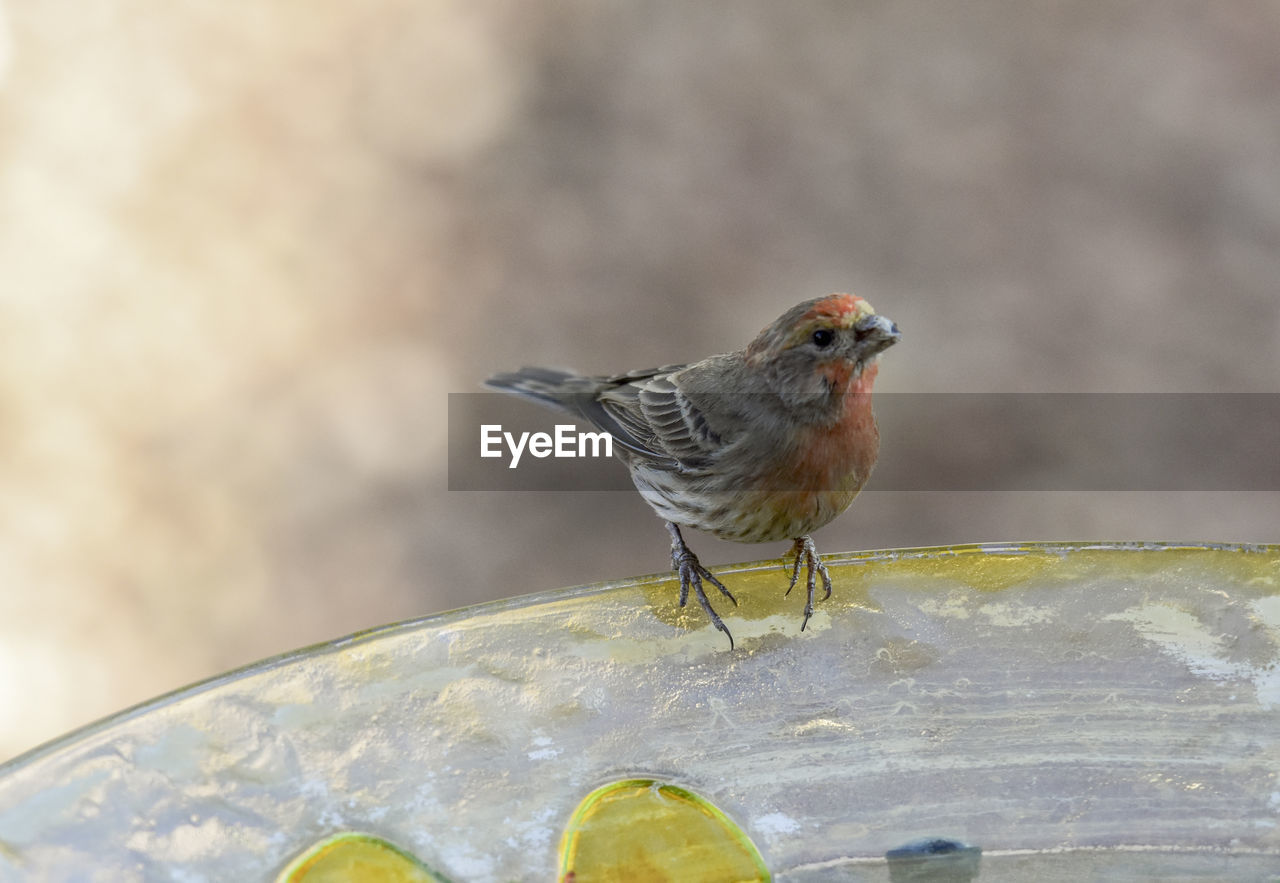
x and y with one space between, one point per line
837 457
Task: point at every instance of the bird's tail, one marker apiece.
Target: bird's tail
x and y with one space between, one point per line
563 390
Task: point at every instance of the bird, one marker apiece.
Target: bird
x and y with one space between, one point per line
764 444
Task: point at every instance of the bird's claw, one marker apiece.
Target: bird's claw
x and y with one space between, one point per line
692 573
807 553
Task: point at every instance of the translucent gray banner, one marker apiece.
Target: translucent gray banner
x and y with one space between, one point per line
933 442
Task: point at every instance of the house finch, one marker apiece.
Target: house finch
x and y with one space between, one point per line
764 444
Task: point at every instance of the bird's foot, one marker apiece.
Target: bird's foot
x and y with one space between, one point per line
692 573
806 553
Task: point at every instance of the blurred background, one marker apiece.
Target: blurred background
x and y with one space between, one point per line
247 252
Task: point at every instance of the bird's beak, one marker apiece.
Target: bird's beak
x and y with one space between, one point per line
874 334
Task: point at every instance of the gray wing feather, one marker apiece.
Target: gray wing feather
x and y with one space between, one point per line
670 426
646 412
607 403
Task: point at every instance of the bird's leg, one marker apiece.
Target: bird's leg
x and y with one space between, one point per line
691 573
806 552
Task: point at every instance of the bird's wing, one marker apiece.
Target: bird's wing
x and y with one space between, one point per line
608 403
646 412
659 420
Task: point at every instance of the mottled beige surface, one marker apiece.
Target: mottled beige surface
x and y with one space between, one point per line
246 252
1114 709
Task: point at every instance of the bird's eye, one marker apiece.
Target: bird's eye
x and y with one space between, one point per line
823 338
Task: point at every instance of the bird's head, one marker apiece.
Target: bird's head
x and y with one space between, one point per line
822 346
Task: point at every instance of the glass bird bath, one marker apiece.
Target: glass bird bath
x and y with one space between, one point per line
1039 711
